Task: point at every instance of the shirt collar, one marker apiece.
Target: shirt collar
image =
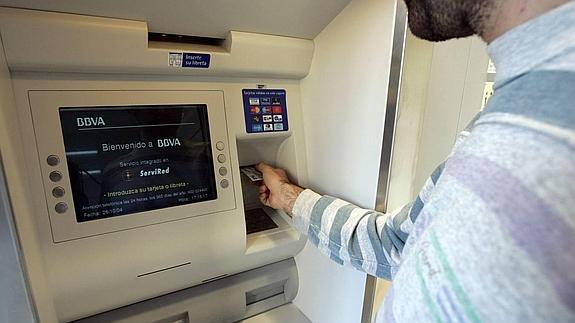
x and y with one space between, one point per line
532 43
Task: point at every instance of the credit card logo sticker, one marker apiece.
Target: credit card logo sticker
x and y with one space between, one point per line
265 110
255 110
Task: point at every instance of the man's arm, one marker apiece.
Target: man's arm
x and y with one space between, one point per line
365 239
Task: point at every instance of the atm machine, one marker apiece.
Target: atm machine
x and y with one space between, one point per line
123 130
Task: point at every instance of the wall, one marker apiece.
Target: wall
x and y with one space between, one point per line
457 77
412 101
343 101
414 81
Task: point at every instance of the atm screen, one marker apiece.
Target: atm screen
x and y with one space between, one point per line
124 160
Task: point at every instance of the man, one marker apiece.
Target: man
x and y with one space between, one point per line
491 236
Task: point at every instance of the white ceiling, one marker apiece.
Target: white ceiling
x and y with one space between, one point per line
207 18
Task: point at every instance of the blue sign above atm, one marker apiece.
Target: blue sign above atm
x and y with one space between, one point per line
189 60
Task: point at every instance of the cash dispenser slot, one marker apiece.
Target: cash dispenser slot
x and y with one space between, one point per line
265 293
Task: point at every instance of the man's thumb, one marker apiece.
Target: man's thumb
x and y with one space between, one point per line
262 167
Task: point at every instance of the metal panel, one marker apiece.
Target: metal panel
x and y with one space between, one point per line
393 91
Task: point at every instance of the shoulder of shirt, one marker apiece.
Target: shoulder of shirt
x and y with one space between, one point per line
541 100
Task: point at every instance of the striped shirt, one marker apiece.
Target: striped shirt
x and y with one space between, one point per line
491 236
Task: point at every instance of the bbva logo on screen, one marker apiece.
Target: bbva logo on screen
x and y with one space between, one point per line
89 121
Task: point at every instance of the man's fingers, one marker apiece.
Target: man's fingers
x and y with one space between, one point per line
264 198
263 188
262 167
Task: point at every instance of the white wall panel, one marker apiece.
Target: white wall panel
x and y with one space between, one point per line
343 101
456 80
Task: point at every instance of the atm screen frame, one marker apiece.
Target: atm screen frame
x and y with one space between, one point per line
45 107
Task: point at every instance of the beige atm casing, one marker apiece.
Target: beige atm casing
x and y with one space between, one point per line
92 267
122 260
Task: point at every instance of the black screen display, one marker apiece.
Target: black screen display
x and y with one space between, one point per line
123 160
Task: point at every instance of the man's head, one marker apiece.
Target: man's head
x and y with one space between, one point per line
438 20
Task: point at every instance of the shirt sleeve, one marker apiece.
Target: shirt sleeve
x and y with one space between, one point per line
368 240
365 239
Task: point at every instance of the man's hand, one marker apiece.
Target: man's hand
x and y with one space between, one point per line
276 191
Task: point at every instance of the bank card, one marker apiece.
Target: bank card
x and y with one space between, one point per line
252 173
